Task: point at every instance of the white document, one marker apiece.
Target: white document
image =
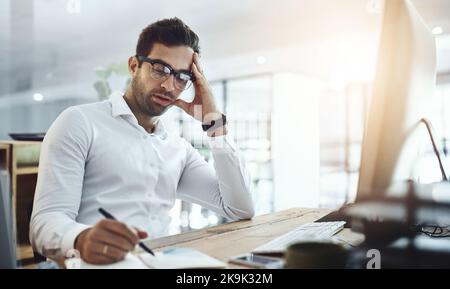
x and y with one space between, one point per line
176 258
180 258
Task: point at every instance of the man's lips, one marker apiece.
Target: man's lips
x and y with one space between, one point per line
162 99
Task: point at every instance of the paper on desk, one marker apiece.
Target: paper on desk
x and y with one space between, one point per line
130 262
180 258
176 258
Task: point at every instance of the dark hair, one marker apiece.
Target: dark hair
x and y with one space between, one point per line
170 32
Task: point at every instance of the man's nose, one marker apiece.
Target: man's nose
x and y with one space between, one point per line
168 83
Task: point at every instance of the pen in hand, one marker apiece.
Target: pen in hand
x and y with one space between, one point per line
109 216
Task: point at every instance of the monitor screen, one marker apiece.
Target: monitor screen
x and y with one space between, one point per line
403 85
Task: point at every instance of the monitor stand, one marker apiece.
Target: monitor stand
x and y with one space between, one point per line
337 215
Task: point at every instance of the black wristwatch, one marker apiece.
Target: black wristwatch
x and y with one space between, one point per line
215 123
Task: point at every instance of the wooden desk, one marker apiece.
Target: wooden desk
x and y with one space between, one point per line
224 241
241 237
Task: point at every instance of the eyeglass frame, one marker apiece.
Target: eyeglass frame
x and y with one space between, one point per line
173 72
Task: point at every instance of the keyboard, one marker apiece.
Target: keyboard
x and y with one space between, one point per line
308 231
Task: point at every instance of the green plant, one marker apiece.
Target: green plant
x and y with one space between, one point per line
102 85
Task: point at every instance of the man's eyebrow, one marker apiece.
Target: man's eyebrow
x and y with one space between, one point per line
167 64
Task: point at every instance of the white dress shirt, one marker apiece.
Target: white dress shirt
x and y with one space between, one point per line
97 155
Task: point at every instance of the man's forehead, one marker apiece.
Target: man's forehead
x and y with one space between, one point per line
178 57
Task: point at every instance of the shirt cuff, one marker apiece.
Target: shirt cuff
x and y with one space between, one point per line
221 143
68 239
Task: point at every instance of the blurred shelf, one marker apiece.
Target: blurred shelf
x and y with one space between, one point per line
19 158
27 170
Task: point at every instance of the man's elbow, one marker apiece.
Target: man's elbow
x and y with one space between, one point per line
34 232
248 209
241 214
248 215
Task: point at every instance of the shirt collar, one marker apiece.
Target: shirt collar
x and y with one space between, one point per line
120 107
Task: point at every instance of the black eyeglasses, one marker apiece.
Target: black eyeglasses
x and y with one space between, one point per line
161 71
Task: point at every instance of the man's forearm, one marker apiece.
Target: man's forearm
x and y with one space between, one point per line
234 180
221 131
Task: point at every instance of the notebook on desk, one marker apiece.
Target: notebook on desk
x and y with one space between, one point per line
176 258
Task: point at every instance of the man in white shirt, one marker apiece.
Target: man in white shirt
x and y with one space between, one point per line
117 155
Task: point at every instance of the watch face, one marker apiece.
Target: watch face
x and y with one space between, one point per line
220 122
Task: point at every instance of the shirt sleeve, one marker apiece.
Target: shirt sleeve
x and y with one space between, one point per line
225 190
64 151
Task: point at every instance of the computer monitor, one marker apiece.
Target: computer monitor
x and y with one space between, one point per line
401 97
7 232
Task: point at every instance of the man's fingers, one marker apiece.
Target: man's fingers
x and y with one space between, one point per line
198 75
200 81
119 229
102 235
197 63
139 233
99 259
113 239
106 250
108 242
142 234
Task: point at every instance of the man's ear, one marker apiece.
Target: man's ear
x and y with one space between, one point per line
132 65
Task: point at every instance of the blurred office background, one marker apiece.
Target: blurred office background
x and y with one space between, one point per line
293 77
